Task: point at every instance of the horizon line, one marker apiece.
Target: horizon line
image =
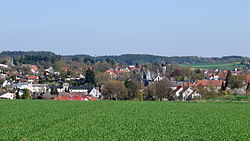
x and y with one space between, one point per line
122 54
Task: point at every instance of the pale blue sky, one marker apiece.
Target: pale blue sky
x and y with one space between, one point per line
112 27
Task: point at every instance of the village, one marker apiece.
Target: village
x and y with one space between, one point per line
113 81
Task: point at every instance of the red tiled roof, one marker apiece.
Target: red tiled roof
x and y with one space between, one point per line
91 98
65 69
237 72
34 67
134 69
32 77
210 82
222 75
225 71
114 71
248 78
77 98
63 98
22 80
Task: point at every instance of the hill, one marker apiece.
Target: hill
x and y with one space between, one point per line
36 56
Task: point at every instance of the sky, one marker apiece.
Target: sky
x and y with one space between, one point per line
112 27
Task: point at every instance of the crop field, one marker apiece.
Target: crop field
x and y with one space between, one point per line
228 66
123 120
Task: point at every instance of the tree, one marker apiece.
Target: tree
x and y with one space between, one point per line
248 89
90 76
236 82
140 96
149 92
101 66
101 78
132 89
89 60
229 75
26 94
17 95
13 77
111 62
244 61
76 59
1 81
54 90
114 89
163 89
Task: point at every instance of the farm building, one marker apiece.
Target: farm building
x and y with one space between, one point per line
7 96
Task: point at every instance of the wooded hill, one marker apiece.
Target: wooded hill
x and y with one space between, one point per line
34 57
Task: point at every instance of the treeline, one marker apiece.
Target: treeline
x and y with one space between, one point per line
144 58
34 57
31 57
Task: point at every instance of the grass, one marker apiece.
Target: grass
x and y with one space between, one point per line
123 120
231 98
228 66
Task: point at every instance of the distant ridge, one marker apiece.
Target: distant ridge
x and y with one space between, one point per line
132 58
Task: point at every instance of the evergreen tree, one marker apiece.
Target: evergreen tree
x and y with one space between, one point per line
90 76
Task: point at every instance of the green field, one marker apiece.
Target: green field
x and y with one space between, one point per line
123 120
228 66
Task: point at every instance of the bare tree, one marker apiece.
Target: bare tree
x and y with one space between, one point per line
163 89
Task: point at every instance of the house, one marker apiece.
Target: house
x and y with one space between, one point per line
133 68
34 88
39 88
215 75
49 70
158 78
34 69
65 69
74 89
32 78
64 88
62 98
237 72
69 94
7 96
6 83
185 93
95 92
114 72
248 78
147 78
207 83
80 89
23 80
3 66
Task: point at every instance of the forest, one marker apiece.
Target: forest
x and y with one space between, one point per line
34 57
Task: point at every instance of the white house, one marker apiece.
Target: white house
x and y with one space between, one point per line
3 65
7 96
34 88
95 92
185 93
158 78
5 83
79 89
50 70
